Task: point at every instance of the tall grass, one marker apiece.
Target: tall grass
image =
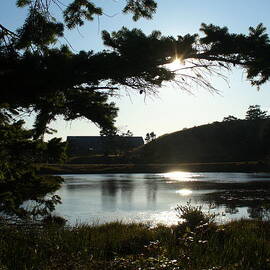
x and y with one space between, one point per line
196 244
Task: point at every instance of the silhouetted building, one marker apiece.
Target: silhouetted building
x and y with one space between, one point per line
82 145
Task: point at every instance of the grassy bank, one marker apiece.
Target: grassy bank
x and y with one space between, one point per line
251 166
196 244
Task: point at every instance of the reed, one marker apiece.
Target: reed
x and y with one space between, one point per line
241 245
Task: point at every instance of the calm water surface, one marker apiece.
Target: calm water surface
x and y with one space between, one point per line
100 198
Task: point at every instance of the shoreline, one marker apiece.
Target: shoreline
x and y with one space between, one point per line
250 166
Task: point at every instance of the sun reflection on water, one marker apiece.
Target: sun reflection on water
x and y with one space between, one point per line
180 176
184 192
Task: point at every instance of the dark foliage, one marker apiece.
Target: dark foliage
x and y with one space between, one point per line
38 77
254 112
19 180
60 79
238 140
150 137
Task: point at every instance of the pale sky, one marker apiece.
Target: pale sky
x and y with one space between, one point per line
173 109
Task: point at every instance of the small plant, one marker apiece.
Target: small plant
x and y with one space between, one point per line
54 220
193 216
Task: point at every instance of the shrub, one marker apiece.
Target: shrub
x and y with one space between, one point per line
193 216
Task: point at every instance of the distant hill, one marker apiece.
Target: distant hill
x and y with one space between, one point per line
238 140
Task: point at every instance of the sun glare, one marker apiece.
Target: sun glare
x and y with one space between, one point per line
175 64
178 176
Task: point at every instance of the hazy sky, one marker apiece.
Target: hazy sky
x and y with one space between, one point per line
173 109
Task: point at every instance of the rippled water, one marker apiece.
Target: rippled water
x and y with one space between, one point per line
99 198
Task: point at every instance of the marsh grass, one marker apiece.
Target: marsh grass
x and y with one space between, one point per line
243 244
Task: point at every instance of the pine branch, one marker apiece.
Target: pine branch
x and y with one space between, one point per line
8 32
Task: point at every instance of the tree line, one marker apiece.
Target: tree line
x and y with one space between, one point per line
254 112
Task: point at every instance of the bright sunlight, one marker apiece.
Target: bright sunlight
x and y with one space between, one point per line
184 192
176 64
180 176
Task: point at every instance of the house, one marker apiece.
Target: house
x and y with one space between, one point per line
83 145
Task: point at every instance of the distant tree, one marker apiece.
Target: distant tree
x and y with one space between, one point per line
113 143
254 112
110 132
109 142
56 150
150 137
127 134
230 118
147 138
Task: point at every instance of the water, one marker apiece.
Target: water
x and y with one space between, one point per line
152 198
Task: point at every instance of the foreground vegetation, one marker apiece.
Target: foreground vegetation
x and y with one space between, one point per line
196 243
